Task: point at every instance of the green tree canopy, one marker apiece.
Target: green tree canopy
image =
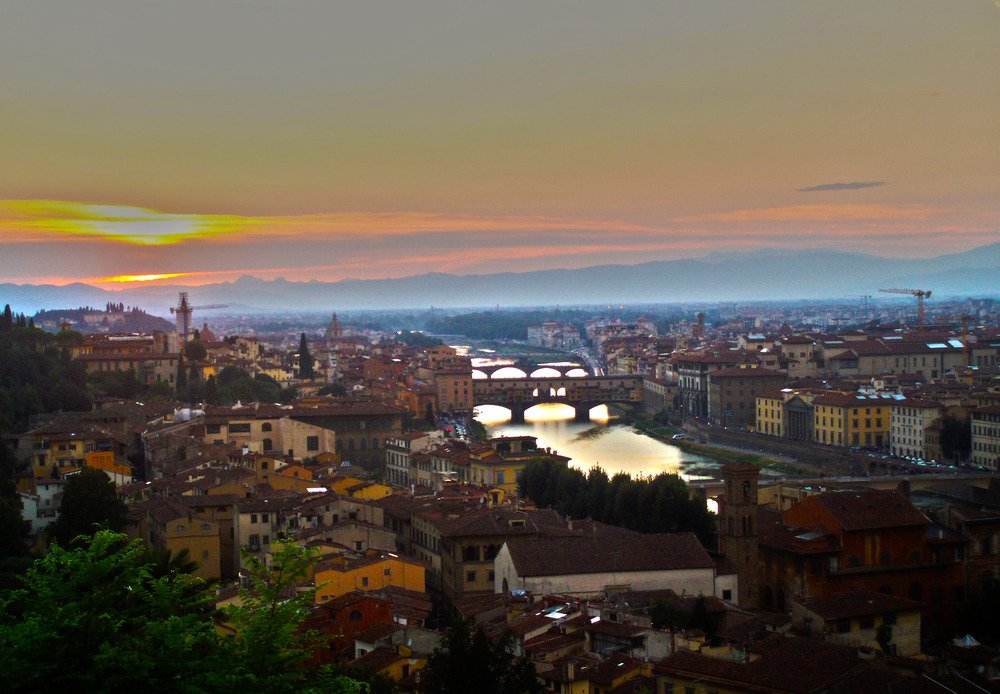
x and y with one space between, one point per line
106 616
195 350
470 661
89 503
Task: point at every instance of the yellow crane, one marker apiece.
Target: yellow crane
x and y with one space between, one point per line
921 294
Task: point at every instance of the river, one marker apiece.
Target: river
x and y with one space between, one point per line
615 447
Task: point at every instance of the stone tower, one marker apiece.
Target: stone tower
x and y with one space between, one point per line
738 528
334 329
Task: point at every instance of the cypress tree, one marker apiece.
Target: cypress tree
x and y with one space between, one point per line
306 371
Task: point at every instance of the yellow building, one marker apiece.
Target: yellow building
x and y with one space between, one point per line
852 420
172 526
396 663
770 418
373 571
66 452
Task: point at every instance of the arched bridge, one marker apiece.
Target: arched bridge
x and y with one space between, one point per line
529 371
583 393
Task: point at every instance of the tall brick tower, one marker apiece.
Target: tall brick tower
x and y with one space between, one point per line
738 528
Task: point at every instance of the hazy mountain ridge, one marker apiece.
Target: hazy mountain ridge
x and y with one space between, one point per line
764 274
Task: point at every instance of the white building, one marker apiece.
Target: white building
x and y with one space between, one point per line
589 566
908 424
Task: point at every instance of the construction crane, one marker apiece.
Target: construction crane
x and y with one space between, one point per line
183 310
921 294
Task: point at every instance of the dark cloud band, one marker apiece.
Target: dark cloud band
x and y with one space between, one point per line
854 185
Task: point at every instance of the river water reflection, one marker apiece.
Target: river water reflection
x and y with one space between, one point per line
615 447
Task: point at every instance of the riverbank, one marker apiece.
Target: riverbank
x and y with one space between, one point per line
720 453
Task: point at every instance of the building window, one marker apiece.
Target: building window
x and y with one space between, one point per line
266 426
843 626
867 623
239 428
253 517
727 595
889 619
355 616
364 581
268 444
312 443
212 429
470 576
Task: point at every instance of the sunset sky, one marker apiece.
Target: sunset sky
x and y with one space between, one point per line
318 139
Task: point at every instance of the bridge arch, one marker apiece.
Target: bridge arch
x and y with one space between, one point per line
546 372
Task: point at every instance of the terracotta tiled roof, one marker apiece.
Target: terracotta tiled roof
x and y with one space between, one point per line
858 604
869 508
581 555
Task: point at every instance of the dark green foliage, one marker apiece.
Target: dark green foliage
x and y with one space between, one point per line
337 390
11 521
37 376
195 350
494 325
306 370
107 617
956 437
978 615
649 505
413 338
89 503
469 661
666 615
93 619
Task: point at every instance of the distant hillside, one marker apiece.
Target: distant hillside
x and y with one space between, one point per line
114 319
766 274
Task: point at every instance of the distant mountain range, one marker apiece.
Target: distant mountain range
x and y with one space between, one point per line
763 274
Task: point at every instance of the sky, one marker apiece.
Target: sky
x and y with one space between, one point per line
197 141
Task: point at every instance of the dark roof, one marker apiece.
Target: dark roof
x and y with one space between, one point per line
785 665
582 555
869 509
858 604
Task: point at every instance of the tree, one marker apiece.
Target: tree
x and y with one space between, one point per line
269 639
92 619
306 370
469 661
11 521
195 350
105 616
89 502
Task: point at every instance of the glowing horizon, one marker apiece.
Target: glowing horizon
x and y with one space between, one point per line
328 143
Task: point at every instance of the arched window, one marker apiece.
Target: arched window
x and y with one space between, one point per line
768 598
206 526
268 444
355 616
374 443
266 426
350 444
364 444
746 490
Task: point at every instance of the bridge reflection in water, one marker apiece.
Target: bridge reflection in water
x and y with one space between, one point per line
615 447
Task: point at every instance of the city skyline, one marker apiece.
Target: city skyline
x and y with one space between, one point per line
204 142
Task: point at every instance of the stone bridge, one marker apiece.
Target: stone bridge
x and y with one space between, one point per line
527 371
583 393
